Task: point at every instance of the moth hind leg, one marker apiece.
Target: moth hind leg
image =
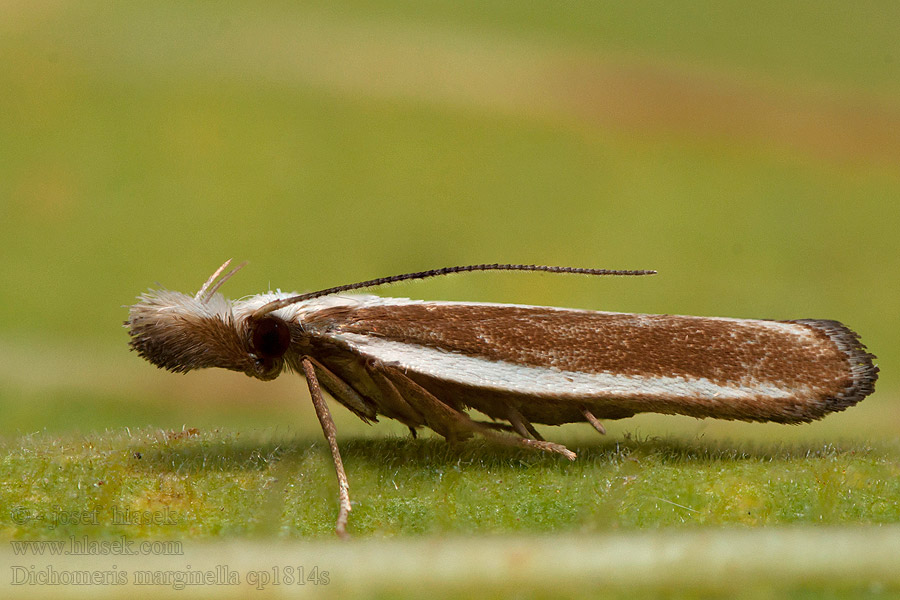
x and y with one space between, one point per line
454 424
594 421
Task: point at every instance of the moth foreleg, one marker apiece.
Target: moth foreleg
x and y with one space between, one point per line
330 432
343 392
458 421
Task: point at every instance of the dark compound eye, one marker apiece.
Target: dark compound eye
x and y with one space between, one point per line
271 337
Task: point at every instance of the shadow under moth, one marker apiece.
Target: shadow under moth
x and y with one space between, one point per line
425 363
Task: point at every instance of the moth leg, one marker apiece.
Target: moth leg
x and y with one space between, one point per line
393 404
436 415
343 392
497 426
443 415
330 432
593 420
521 424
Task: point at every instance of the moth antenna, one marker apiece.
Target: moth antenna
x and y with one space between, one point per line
206 292
277 304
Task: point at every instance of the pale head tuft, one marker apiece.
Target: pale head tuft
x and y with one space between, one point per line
178 332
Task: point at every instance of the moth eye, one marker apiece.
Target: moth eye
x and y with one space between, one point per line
271 337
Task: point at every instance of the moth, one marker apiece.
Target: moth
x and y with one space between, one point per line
427 363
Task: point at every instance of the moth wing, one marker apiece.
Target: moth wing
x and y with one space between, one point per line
727 368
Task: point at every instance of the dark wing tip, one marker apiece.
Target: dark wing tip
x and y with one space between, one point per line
863 371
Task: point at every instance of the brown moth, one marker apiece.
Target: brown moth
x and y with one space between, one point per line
425 363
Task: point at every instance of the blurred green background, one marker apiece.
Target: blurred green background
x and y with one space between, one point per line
748 151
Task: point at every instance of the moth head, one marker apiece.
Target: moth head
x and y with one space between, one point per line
178 332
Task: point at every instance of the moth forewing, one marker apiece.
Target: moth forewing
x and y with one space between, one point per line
550 364
426 363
